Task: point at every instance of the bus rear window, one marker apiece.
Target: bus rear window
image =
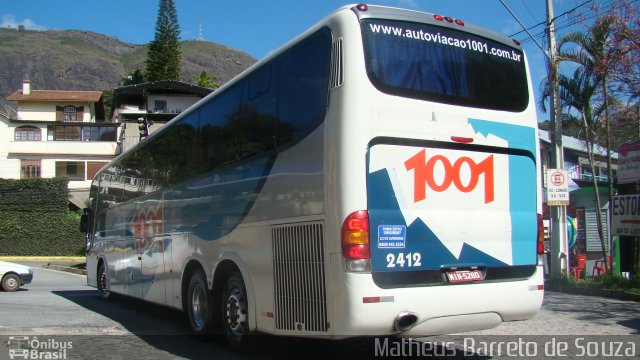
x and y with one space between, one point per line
443 65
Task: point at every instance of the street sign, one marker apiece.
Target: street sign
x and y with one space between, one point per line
557 187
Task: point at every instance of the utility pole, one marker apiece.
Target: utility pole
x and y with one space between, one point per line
559 244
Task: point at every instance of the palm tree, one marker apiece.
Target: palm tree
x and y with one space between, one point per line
596 57
577 93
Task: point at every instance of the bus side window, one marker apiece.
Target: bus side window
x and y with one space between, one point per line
304 84
222 137
262 120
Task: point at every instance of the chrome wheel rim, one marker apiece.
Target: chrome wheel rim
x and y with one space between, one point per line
198 306
11 283
236 312
102 281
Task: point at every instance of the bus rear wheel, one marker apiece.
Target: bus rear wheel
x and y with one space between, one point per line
235 313
103 286
199 305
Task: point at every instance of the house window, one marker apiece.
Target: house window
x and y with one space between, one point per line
29 169
70 113
160 105
81 133
74 170
28 133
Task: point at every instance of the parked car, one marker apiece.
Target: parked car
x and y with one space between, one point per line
14 275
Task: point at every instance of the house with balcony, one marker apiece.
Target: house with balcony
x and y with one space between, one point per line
57 133
576 161
154 103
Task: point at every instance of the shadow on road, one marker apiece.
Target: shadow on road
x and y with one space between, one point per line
596 309
631 324
161 332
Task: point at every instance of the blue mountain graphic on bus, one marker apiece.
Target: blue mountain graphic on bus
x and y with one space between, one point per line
385 210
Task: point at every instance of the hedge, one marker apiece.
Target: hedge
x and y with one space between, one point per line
35 219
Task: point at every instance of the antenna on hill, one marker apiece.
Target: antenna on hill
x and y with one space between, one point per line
200 37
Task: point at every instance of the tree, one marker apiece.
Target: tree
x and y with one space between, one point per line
608 58
595 53
204 79
624 18
134 77
163 58
578 94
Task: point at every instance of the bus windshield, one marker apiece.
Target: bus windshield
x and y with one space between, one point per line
435 63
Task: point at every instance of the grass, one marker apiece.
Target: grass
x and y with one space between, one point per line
604 282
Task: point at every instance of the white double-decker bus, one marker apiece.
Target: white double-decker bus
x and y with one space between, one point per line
377 175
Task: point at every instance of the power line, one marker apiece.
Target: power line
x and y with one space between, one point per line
524 3
581 17
544 22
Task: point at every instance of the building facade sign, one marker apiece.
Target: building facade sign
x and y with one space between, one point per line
629 163
625 214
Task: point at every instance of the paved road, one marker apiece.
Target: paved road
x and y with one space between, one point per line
61 307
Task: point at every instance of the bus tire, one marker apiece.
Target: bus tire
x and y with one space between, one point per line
10 282
235 312
103 286
199 305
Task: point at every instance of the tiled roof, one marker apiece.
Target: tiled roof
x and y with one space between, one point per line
56 95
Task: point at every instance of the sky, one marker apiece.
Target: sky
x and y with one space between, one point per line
261 26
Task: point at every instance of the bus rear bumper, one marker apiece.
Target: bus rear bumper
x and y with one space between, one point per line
366 310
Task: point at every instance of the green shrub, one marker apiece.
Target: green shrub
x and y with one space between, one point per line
35 220
604 282
617 282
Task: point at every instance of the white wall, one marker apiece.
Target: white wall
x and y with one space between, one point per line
9 168
46 110
175 104
48 152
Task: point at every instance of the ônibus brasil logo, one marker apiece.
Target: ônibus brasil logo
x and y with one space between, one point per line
423 178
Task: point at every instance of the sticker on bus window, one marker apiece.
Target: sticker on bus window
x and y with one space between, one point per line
392 236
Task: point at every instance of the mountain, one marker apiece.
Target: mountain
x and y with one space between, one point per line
83 60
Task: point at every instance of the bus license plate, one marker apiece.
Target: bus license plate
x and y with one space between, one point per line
462 276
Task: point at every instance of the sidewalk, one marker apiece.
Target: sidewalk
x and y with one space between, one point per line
43 258
612 294
59 263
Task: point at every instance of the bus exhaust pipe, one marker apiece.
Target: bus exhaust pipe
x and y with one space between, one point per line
405 321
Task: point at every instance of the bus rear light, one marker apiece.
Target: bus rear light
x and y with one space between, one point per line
516 42
448 19
540 237
355 236
355 242
460 139
362 7
438 17
459 22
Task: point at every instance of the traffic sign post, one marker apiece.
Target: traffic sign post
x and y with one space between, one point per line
557 187
557 181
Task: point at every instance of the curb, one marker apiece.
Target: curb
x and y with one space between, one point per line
42 258
65 269
612 294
